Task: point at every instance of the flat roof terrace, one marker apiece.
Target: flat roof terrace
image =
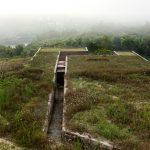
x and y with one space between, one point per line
126 53
61 49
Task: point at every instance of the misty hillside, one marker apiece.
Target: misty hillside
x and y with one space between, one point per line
18 30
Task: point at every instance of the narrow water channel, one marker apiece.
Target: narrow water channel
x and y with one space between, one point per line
55 126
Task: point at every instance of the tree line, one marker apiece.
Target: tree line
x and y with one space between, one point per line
19 50
140 44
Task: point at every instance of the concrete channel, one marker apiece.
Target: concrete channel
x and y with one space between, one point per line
56 98
55 125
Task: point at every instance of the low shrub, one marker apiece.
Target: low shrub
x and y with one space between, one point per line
103 52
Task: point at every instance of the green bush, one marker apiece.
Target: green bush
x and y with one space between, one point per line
103 52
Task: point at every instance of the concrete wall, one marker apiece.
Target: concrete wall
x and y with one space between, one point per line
50 101
49 111
69 53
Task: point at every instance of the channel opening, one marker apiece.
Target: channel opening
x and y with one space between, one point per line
55 125
60 79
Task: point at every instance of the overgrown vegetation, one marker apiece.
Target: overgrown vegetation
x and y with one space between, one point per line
110 99
103 52
24 89
103 92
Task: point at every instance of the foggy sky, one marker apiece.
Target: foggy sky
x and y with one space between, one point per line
24 20
124 11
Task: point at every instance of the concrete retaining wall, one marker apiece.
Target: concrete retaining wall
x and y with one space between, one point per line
86 49
68 53
36 53
49 111
50 101
116 53
139 55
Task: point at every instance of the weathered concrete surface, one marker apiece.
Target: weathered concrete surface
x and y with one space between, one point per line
49 111
139 55
69 53
55 128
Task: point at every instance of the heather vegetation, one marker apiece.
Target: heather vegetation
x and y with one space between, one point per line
108 97
95 95
103 92
24 89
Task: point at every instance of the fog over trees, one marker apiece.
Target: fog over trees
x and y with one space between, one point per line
23 21
25 29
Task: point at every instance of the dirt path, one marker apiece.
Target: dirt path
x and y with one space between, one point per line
55 127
